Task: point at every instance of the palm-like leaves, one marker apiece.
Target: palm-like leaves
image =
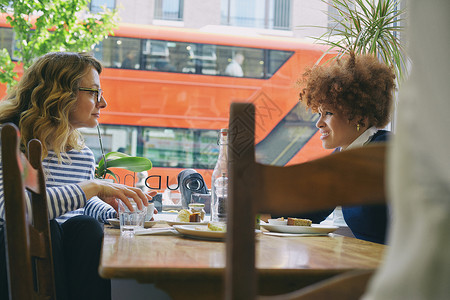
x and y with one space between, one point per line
367 27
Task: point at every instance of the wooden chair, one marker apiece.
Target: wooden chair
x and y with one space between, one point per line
28 247
346 178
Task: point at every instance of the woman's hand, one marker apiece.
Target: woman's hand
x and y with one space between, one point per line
112 192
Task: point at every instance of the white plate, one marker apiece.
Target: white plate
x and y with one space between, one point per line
171 223
313 229
116 223
200 232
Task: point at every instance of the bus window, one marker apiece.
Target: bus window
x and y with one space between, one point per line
190 58
165 147
119 52
202 59
119 138
156 56
181 147
253 64
275 60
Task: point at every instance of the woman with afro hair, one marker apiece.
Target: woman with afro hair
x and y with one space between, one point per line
353 97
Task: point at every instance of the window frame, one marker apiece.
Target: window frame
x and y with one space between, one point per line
160 14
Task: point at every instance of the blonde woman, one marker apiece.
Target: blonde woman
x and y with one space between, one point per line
58 94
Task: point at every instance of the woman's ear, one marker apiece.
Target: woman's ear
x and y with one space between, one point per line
362 122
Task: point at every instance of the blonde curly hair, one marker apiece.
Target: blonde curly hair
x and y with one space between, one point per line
358 86
41 102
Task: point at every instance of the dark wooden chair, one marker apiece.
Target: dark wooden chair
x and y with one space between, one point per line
347 178
28 246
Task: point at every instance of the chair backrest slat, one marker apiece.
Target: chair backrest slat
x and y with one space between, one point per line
27 237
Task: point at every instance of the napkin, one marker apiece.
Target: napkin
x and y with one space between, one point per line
156 231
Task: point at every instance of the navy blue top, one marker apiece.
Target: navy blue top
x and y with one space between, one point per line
367 222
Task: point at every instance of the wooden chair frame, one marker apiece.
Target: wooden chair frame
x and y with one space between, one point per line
346 178
29 251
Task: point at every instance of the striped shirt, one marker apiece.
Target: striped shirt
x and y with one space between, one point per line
65 198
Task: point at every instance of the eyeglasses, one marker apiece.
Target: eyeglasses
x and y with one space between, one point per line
98 91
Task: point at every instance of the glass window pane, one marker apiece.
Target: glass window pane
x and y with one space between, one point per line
269 14
119 52
165 147
280 17
114 138
169 10
181 148
276 60
97 5
155 55
191 58
7 40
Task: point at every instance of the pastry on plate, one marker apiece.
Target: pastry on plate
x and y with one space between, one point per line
299 222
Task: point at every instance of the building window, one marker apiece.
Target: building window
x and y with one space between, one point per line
171 10
335 16
97 5
268 14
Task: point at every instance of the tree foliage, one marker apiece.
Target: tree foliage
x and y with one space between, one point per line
42 26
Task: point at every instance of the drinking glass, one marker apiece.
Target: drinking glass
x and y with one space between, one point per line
131 220
202 198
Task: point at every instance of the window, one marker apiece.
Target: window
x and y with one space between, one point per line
191 58
167 147
97 5
335 17
268 14
7 40
119 53
171 10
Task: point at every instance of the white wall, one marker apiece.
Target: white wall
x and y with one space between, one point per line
136 11
201 13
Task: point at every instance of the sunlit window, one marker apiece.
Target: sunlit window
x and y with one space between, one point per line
169 10
270 14
97 5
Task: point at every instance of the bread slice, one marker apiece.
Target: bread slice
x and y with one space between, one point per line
183 215
299 222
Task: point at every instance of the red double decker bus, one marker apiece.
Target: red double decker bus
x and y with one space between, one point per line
169 91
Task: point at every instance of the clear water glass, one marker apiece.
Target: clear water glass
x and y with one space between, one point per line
131 220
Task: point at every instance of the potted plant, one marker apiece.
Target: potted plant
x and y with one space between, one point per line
366 27
119 160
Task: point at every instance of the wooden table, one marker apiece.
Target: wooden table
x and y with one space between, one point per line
179 265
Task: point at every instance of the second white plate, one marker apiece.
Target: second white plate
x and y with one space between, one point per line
200 232
171 223
313 229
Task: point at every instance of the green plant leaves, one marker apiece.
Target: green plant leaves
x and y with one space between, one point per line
54 25
367 27
124 161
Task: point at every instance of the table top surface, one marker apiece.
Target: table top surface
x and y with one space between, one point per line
175 255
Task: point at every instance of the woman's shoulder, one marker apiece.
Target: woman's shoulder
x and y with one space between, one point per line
83 155
381 136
